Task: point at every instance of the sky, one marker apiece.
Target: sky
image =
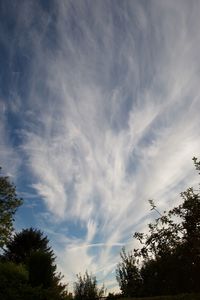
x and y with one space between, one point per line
99 112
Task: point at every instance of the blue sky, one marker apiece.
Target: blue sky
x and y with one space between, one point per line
99 106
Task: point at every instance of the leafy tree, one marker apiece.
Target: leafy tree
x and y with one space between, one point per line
171 249
189 212
9 202
164 235
14 285
86 288
13 279
128 275
169 254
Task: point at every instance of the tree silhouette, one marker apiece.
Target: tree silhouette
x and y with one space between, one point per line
41 270
26 242
170 251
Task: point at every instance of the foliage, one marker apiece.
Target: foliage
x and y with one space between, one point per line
112 296
128 275
176 297
170 251
41 270
15 285
30 248
18 283
27 263
86 288
13 279
24 243
42 273
9 202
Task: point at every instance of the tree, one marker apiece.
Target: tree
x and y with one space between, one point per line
41 270
42 273
171 249
15 285
189 212
13 279
30 248
169 255
26 242
128 275
86 288
9 202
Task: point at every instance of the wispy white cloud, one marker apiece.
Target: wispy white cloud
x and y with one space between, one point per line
111 118
9 159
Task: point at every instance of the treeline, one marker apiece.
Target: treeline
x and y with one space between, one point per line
167 263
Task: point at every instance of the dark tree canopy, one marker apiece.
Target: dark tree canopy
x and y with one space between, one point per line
26 242
41 270
9 202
